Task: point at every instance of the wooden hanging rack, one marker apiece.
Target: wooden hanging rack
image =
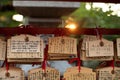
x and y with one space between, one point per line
40 30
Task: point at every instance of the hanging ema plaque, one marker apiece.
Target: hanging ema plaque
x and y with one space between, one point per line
40 74
25 47
117 53
118 49
2 49
84 74
95 51
106 73
62 46
12 74
87 38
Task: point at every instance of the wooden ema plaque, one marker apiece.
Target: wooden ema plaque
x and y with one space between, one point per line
94 51
106 73
84 74
40 74
13 74
2 49
61 56
103 58
25 48
63 47
117 54
118 46
87 38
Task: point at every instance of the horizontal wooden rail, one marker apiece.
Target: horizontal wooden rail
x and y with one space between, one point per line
58 31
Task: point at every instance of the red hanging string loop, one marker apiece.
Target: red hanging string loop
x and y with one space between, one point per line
98 33
7 66
113 66
77 59
78 62
44 63
63 79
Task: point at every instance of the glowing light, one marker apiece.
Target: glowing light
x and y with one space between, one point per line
71 26
88 7
17 17
3 18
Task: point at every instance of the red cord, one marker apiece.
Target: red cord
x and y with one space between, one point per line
45 58
7 66
112 64
78 62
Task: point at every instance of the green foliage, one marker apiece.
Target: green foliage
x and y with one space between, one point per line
5 2
6 19
6 15
94 17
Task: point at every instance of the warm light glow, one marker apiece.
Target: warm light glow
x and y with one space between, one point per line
71 26
3 18
17 17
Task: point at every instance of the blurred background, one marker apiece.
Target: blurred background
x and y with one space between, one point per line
58 13
14 13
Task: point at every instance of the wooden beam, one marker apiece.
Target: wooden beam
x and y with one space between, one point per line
105 1
58 31
45 3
